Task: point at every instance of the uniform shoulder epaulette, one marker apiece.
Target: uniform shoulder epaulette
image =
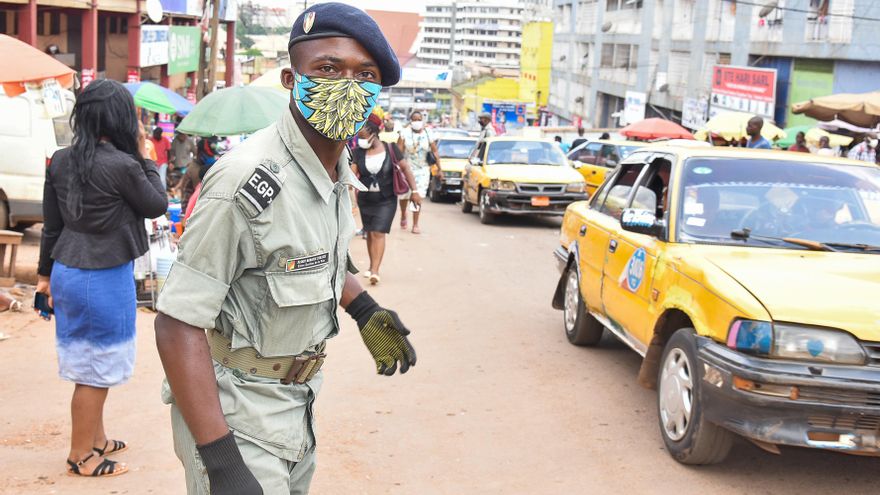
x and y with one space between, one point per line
262 187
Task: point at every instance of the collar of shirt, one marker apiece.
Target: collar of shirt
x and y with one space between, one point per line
305 156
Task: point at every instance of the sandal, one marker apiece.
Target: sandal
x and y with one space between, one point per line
106 468
403 223
118 446
374 279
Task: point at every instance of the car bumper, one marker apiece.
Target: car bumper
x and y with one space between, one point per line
791 403
25 211
560 254
517 203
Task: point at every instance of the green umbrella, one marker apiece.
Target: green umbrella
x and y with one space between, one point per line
159 99
237 110
791 134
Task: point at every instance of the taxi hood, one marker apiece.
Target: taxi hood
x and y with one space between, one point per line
540 174
453 164
835 290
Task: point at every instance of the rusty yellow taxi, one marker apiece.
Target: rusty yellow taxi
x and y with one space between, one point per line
454 151
748 281
519 176
594 159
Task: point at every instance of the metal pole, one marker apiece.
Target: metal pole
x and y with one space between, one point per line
212 62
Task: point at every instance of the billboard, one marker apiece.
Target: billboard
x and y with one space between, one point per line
634 107
506 114
183 49
694 113
154 45
185 7
743 89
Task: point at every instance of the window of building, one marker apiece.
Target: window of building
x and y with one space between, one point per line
607 56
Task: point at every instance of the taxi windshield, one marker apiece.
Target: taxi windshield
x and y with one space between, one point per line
525 153
455 148
766 202
625 151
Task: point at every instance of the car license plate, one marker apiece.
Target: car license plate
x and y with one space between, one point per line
540 201
453 182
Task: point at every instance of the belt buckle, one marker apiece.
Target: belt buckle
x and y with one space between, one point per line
304 369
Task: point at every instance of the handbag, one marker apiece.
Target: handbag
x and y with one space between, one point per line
397 175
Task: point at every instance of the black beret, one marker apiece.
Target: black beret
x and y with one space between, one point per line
333 19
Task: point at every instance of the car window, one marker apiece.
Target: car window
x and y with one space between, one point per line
587 153
617 192
525 153
478 152
608 156
828 203
653 192
63 132
455 148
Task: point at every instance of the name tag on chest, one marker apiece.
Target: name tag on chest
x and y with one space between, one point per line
307 262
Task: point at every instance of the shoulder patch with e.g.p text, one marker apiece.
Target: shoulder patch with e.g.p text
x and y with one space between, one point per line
261 188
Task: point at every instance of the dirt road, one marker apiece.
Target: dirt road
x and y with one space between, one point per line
499 402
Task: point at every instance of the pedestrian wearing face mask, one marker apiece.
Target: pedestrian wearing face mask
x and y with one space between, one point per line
373 162
417 144
263 266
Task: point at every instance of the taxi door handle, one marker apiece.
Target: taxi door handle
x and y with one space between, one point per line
612 246
583 230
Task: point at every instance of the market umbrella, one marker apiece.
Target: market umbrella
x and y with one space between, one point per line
31 65
812 135
236 110
861 109
271 79
655 128
156 98
732 126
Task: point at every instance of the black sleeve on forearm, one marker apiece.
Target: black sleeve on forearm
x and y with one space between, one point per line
144 192
53 224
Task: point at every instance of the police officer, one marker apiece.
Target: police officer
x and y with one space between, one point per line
263 265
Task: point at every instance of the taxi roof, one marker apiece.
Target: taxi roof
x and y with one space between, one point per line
518 138
451 137
684 152
618 142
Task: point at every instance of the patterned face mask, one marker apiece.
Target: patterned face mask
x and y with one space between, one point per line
336 108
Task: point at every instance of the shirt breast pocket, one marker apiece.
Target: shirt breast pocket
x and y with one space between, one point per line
295 310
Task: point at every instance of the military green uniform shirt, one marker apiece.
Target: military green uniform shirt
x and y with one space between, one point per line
264 260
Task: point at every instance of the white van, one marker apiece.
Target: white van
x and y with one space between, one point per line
28 139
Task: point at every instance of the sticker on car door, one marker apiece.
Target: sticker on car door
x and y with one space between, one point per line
634 272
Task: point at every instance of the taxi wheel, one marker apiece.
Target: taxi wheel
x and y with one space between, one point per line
465 206
486 216
689 438
580 327
433 191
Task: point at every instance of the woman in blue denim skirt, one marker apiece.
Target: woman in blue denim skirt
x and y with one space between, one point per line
96 196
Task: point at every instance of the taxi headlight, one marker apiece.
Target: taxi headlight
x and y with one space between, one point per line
502 185
795 342
576 187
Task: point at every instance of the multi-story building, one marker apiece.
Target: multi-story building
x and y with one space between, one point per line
667 49
486 33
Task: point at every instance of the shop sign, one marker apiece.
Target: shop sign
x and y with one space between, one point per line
154 45
86 77
694 113
743 89
133 76
183 49
634 107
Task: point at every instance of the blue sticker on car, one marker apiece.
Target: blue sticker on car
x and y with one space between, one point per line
634 272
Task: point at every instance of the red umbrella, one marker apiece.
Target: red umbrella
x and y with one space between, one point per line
656 129
31 65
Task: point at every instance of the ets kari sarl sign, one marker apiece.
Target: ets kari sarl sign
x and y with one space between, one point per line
743 89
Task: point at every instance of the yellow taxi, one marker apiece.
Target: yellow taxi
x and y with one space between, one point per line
454 151
748 281
520 176
594 159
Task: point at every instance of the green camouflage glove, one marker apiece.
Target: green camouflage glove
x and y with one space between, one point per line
383 334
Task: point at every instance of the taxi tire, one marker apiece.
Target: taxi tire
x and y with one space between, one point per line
586 331
486 217
703 442
465 206
434 191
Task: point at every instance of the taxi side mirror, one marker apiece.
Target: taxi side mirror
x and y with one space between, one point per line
475 161
576 163
642 222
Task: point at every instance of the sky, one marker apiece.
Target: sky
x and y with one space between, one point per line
393 5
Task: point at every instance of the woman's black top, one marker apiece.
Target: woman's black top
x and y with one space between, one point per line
119 195
384 178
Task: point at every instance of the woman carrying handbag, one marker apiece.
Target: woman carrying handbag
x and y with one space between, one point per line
384 173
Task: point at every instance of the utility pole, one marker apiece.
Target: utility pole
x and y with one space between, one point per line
212 62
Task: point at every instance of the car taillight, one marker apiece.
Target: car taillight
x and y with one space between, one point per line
48 161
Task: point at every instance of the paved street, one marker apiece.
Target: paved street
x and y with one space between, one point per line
498 403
